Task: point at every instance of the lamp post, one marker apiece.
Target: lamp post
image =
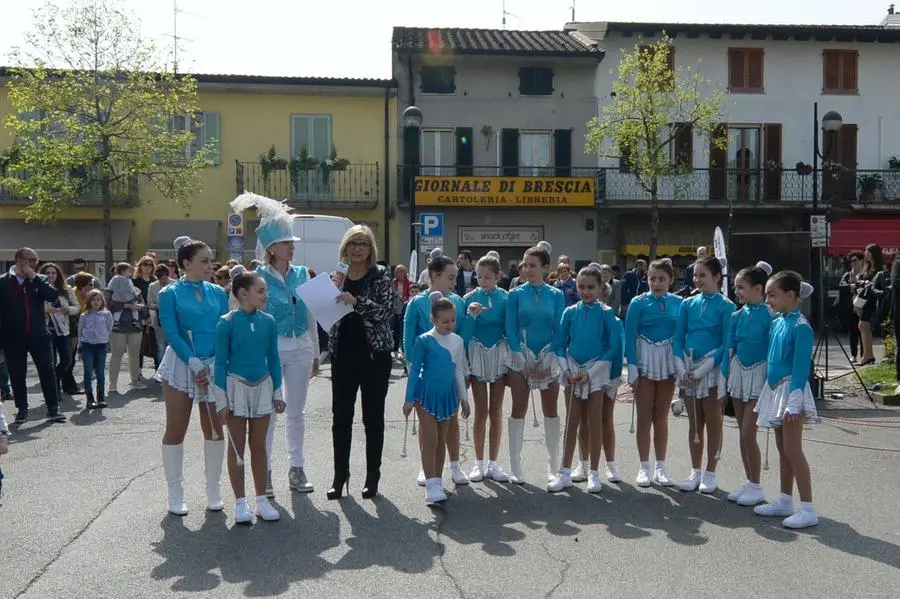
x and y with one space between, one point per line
831 122
412 131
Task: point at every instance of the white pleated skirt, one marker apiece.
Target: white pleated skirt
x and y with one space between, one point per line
544 367
772 404
177 374
700 389
598 377
746 382
250 400
655 360
488 364
612 389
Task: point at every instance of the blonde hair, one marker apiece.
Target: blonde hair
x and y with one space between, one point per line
358 232
142 261
89 299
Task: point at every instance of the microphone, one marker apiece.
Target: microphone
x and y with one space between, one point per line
342 267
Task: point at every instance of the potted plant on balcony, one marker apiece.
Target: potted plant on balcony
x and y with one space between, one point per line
774 166
268 162
331 164
894 163
835 168
299 168
868 185
8 157
803 168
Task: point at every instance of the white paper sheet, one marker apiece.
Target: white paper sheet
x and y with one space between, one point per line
318 294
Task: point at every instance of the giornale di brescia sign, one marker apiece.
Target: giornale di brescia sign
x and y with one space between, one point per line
509 192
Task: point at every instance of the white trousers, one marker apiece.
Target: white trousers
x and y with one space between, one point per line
296 366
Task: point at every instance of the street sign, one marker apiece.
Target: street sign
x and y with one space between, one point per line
818 226
819 242
235 224
431 224
428 243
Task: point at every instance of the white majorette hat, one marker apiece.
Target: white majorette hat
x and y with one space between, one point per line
546 245
276 223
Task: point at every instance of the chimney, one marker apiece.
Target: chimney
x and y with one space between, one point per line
892 20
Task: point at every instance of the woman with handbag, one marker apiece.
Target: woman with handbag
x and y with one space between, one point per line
59 326
867 291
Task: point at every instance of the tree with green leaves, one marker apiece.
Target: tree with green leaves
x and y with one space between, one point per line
96 112
652 103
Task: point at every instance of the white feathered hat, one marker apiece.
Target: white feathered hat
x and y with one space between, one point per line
276 223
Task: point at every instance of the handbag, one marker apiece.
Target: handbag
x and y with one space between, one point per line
149 344
859 302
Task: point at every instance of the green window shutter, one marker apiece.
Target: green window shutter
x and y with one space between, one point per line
211 135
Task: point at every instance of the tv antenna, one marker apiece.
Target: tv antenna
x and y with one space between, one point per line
506 13
176 39
573 10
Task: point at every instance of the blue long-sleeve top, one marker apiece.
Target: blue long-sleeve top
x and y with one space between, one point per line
290 313
703 326
587 332
566 286
438 360
192 308
418 319
652 317
489 327
748 336
790 350
535 309
618 361
247 346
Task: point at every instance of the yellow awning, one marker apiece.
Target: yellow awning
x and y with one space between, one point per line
636 249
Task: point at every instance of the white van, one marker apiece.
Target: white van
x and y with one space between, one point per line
321 236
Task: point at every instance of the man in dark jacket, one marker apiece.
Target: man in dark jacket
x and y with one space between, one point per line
634 283
24 331
465 278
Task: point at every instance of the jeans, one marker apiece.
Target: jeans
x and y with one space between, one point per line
17 351
62 350
94 357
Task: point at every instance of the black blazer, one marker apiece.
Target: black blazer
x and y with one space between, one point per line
461 283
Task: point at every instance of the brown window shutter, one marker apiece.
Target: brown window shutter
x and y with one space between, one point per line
849 72
670 58
847 152
755 70
718 163
831 65
735 69
684 145
624 158
772 156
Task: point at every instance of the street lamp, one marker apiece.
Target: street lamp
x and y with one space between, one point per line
412 130
831 122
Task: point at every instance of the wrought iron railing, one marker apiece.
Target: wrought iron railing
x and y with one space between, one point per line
125 193
701 185
351 186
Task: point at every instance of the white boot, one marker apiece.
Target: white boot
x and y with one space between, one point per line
580 474
562 481
516 428
551 437
265 510
213 457
242 513
595 485
173 465
434 493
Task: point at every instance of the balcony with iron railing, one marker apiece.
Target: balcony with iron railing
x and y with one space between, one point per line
125 193
350 186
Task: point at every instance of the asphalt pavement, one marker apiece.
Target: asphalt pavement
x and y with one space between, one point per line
83 516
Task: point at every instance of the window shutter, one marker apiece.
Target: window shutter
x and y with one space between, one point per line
773 155
847 148
755 70
562 152
849 72
464 158
624 159
831 64
509 152
670 58
718 163
735 69
210 133
684 145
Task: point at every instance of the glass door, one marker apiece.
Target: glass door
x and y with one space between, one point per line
744 165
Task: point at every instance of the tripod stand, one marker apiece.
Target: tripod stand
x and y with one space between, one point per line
821 348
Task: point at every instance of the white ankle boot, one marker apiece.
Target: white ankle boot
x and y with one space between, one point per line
265 510
434 493
562 481
173 465
580 474
516 428
595 485
242 513
551 437
213 457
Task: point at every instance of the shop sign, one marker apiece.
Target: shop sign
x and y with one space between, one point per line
499 236
506 192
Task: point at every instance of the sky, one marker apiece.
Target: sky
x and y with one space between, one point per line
351 38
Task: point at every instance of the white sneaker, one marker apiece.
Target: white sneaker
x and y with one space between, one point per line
752 496
138 384
612 473
496 473
563 481
477 473
420 479
242 513
775 508
434 493
459 477
661 475
802 519
595 485
736 494
266 510
643 477
580 474
692 482
708 483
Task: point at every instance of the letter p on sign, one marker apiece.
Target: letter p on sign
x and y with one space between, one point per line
432 224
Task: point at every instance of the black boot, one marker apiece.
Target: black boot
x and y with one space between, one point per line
341 437
101 398
371 488
374 447
91 404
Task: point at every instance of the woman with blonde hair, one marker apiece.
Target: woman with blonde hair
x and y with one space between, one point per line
360 345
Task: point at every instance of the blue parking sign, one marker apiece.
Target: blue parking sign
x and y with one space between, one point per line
431 224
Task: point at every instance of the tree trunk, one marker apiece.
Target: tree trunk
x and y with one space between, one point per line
106 200
654 221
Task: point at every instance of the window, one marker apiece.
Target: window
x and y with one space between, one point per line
681 145
840 71
745 70
438 80
311 132
205 127
438 152
534 154
535 81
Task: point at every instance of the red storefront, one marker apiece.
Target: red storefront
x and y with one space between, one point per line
856 233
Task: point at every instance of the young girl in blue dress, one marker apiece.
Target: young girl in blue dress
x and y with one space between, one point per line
586 344
442 275
649 333
484 335
533 313
248 387
699 348
437 389
786 401
189 311
744 367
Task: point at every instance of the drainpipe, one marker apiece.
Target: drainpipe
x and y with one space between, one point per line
387 174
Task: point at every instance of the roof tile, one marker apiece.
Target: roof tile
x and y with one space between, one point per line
491 41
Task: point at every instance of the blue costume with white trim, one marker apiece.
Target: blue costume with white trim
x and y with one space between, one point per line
699 342
587 340
747 346
437 374
417 319
484 335
650 324
535 311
